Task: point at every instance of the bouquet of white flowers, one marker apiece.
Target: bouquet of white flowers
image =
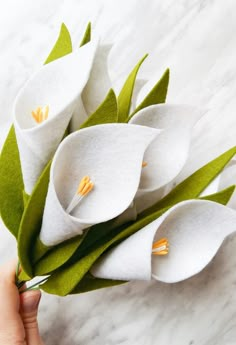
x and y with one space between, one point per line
87 178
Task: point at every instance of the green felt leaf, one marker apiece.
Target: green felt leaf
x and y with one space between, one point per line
57 256
24 277
157 94
87 35
90 283
65 279
11 184
62 47
221 197
125 96
195 184
31 221
105 113
25 198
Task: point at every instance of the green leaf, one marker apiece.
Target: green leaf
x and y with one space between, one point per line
195 184
62 47
25 198
125 96
90 283
87 35
157 94
65 279
11 184
31 221
105 113
57 256
221 197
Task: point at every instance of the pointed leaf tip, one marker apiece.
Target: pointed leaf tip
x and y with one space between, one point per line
62 47
125 96
221 197
105 113
158 93
87 35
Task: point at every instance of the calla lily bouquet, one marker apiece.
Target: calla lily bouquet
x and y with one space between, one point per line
87 178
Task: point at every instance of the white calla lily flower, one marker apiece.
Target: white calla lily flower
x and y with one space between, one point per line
167 155
44 107
96 89
106 161
99 82
174 247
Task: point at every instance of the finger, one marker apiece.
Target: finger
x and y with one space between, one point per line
10 320
8 290
29 311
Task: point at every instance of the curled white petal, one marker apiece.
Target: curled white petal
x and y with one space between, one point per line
144 200
99 81
167 155
195 230
111 155
139 84
79 116
57 85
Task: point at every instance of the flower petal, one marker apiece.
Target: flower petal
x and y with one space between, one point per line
111 155
79 116
99 82
168 153
139 84
195 230
57 85
144 200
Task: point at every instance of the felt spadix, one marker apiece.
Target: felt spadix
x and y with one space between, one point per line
108 156
167 155
194 230
44 106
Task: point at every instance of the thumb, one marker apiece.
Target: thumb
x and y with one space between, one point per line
29 310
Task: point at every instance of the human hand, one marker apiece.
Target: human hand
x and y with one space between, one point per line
18 313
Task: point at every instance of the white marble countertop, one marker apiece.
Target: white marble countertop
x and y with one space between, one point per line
197 40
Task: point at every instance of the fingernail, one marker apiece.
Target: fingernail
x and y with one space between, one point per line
30 301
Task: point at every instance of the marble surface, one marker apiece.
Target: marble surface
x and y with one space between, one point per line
197 40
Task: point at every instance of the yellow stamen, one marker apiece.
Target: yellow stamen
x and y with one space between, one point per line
83 183
85 187
144 164
161 247
40 114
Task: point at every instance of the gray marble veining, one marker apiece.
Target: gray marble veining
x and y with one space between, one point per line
197 40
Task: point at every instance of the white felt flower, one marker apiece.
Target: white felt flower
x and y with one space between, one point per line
96 89
106 162
172 248
167 155
44 107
